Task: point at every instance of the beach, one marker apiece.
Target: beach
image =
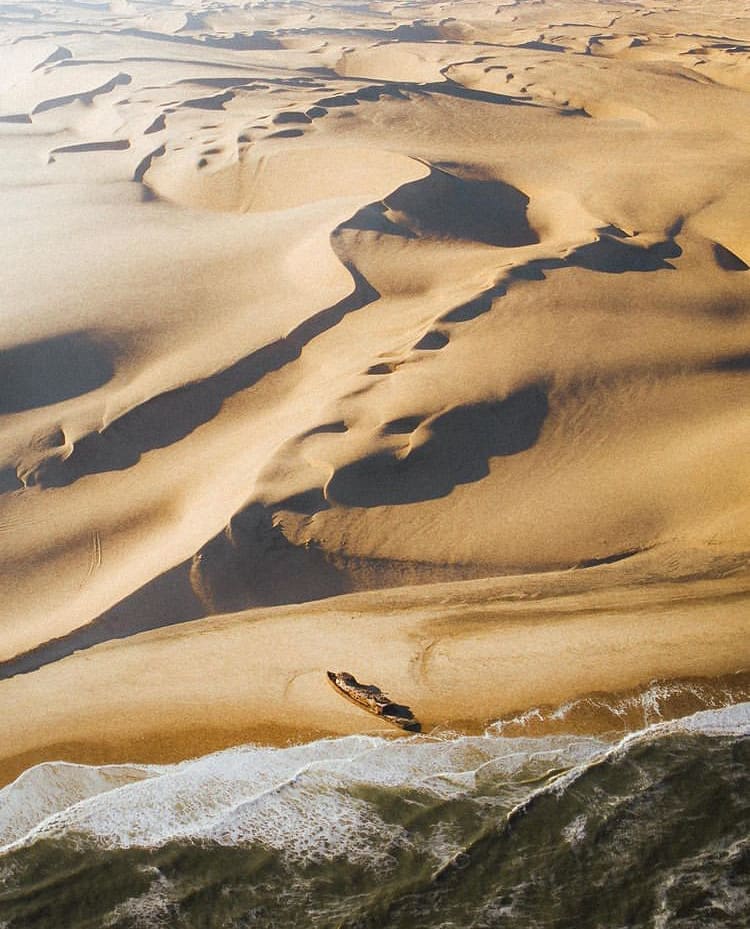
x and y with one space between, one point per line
461 656
403 339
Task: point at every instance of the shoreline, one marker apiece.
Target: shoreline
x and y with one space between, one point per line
259 676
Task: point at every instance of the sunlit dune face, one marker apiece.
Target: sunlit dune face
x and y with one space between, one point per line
406 334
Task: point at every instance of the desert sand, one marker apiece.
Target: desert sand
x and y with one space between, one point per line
410 339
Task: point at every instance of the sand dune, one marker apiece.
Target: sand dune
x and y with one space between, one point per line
308 300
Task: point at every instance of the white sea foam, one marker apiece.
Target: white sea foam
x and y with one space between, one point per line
52 787
153 909
728 721
309 800
575 832
305 800
652 705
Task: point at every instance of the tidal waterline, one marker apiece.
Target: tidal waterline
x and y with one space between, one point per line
454 831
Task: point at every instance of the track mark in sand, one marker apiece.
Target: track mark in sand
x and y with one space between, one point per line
293 680
95 559
423 657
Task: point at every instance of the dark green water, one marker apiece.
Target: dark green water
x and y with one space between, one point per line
556 831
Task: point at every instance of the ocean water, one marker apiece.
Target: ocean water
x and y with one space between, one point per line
650 828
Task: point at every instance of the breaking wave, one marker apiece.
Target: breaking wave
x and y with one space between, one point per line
646 829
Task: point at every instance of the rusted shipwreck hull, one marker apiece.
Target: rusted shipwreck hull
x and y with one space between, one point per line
371 698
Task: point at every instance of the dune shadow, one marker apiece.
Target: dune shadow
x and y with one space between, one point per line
165 601
116 145
609 254
49 371
287 134
140 172
291 116
9 480
432 341
446 206
238 42
477 307
735 364
451 88
727 260
403 90
215 102
372 218
614 256
537 46
171 416
85 97
249 564
403 425
261 40
252 563
458 450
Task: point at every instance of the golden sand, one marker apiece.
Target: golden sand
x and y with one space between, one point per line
411 339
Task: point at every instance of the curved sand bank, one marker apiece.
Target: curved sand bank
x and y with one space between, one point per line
461 655
309 301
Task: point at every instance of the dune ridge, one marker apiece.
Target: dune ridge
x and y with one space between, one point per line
317 300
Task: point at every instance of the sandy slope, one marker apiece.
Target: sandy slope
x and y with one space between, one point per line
460 655
307 299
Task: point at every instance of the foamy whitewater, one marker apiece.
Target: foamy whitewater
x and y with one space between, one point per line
423 831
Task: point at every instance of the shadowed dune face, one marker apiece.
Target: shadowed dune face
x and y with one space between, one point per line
252 562
52 370
449 207
171 416
613 256
362 295
455 448
727 260
8 480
